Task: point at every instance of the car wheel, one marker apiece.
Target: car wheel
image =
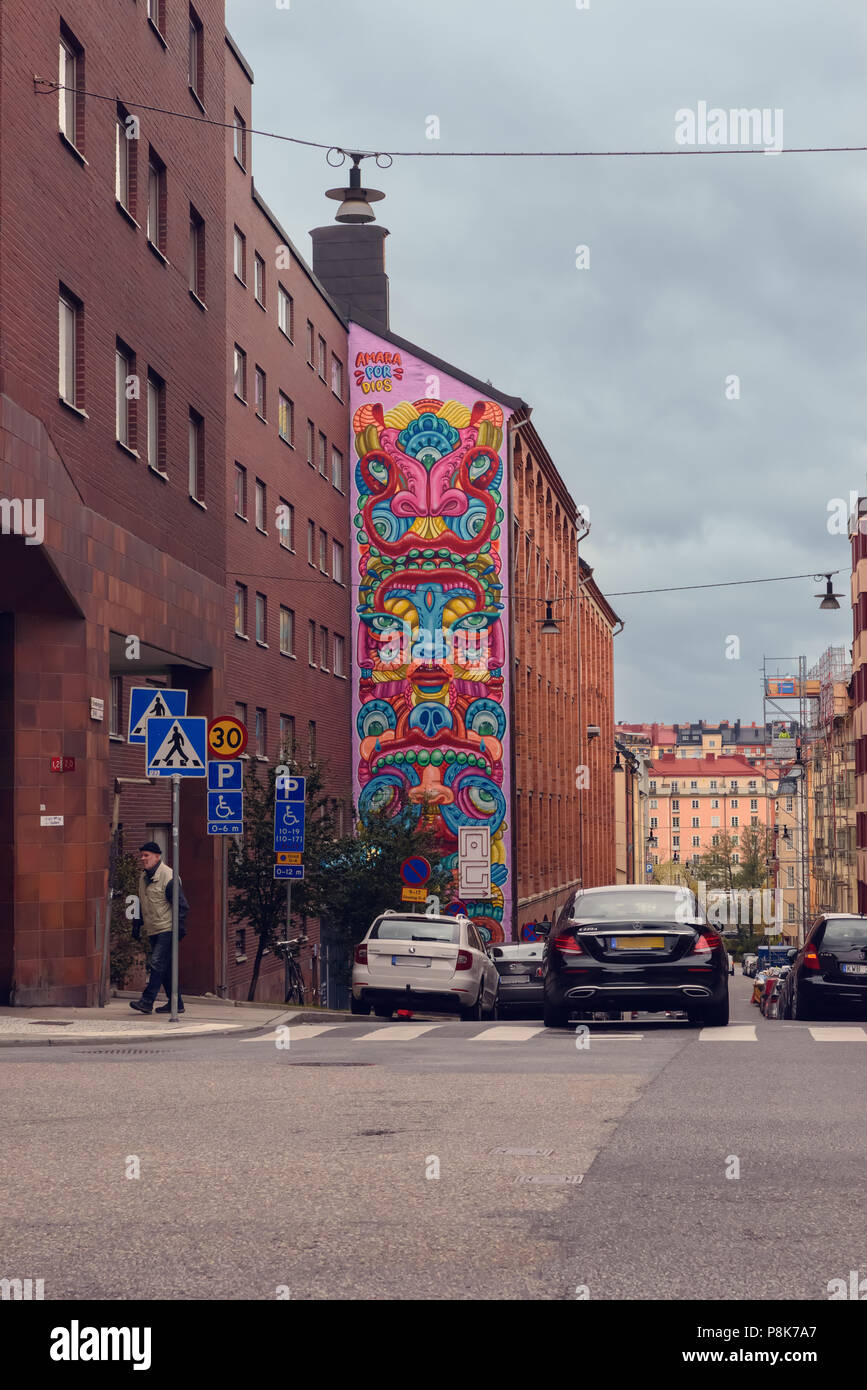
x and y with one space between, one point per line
475 1012
800 1012
717 1015
554 1017
383 1011
358 1006
495 1008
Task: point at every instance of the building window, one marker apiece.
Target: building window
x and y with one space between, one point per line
675 805
260 394
337 376
754 820
337 562
323 648
240 491
714 805
156 229
733 821
287 735
339 648
70 343
714 820
696 822
653 822
693 786
323 455
733 786
676 841
124 405
239 255
322 357
285 418
240 373
156 441
241 713
240 611
286 524
654 804
196 257
696 841
310 337
287 631
261 738
323 550
261 620
336 469
240 137
71 83
790 875
124 162
653 787
788 803
196 56
311 642
261 499
736 859
754 804
196 454
114 708
311 443
695 805
311 543
259 279
240 945
713 784
311 739
733 805
285 312
675 822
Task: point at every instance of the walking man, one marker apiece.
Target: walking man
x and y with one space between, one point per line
156 888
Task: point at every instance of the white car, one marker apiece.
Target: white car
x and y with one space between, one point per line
424 963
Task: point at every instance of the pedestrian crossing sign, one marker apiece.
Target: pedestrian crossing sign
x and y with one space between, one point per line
177 746
151 702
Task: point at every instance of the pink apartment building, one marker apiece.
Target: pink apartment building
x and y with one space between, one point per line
692 800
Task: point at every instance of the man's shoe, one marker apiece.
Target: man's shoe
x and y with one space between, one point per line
140 1007
167 1008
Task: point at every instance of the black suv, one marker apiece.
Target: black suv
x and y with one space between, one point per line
634 946
829 972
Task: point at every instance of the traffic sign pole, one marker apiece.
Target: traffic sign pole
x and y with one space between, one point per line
224 918
176 889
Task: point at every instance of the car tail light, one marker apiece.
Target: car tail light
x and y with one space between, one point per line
464 961
568 946
539 972
361 954
707 941
811 958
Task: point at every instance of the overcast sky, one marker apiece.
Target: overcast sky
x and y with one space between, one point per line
701 267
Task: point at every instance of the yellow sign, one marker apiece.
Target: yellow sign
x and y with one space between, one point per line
227 737
289 856
413 895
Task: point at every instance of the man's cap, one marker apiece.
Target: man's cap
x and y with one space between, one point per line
150 848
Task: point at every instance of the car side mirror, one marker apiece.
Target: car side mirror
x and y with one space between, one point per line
791 954
542 929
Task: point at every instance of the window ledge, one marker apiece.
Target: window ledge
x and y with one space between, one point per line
239 164
201 303
287 442
336 397
240 281
158 34
261 530
286 336
242 636
290 549
240 398
133 453
196 98
73 149
263 418
127 214
76 410
264 645
239 960
198 503
116 738
157 252
158 473
261 304
245 519
290 656
261 758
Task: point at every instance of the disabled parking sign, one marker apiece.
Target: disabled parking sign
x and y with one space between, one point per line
289 794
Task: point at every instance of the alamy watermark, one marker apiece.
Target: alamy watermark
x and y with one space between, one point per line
738 126
23 517
732 907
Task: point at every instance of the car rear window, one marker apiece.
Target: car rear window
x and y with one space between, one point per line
518 952
677 906
843 931
415 929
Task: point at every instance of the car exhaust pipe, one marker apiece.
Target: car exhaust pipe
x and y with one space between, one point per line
696 991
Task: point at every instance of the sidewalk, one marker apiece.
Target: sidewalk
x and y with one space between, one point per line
117 1022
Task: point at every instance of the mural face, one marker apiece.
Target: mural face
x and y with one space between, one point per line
431 698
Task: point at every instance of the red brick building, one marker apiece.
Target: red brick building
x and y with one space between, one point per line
119 310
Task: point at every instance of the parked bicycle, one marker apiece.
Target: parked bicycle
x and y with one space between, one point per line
289 951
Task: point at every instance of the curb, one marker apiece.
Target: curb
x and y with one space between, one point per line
111 1039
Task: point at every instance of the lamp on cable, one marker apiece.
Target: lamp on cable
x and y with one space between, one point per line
829 598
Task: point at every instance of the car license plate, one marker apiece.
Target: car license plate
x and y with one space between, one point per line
855 969
637 943
420 961
515 980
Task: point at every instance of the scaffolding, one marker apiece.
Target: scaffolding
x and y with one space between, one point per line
831 755
784 678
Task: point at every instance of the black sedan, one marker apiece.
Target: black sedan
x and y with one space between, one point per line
829 972
520 970
646 947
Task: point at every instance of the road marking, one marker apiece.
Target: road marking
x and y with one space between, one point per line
507 1032
292 1033
735 1032
397 1032
838 1034
617 1037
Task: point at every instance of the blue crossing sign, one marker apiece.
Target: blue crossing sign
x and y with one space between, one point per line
289 793
149 702
176 746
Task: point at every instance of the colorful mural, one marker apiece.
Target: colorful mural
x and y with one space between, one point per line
429 558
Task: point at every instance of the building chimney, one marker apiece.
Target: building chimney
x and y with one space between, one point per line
349 257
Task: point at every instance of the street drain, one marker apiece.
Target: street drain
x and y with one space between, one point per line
333 1064
371 1132
549 1179
127 1051
524 1153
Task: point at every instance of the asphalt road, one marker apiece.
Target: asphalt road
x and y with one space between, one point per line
310 1171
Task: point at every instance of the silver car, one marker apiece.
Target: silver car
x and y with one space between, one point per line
432 964
522 975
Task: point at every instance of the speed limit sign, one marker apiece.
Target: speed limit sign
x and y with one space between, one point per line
227 737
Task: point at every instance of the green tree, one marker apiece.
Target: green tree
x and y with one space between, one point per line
670 872
257 897
126 954
716 866
756 847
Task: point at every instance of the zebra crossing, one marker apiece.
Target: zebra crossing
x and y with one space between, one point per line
515 1033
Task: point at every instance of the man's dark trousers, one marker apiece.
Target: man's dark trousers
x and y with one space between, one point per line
160 969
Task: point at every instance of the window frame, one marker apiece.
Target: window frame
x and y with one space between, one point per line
239 360
241 476
196 455
155 388
241 611
285 310
286 407
239 129
287 629
261 619
259 279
